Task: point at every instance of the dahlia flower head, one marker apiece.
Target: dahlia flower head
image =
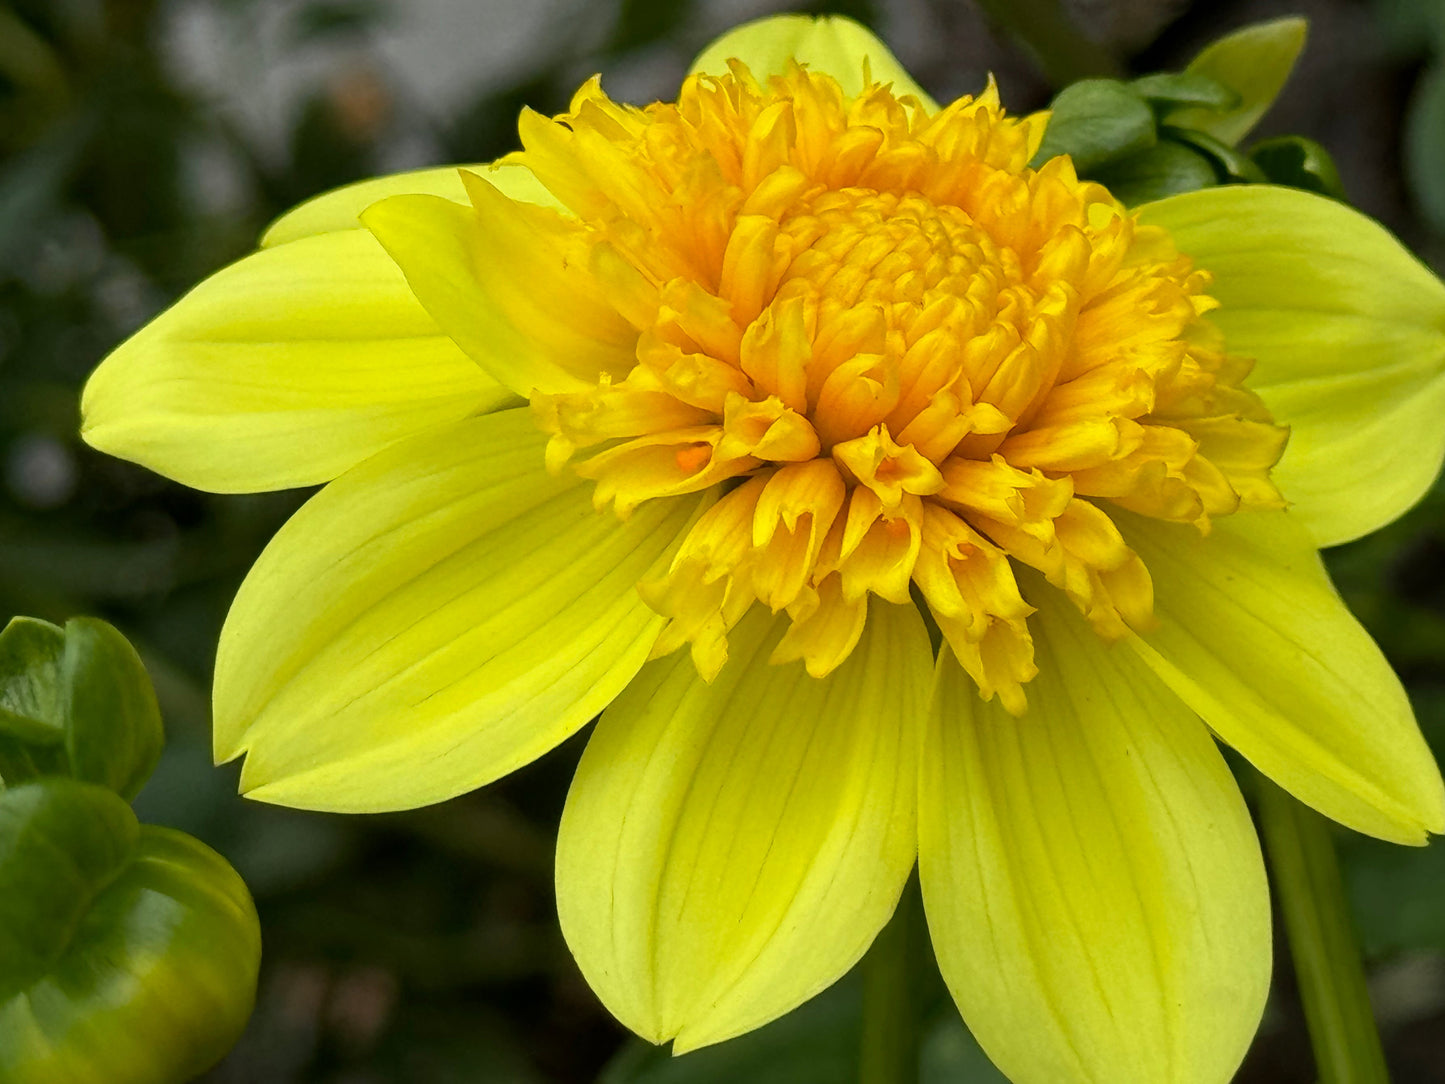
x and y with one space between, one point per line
892 499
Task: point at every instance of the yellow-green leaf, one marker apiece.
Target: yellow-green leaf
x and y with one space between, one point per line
437 617
1093 884
1253 62
283 369
1254 638
1348 333
831 44
729 850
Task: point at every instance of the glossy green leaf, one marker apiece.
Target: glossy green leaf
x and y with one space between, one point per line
1165 169
1298 163
1425 146
113 733
1233 165
31 705
1096 121
32 727
1169 89
1254 63
128 954
76 701
61 842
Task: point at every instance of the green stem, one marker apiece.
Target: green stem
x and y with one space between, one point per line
1047 32
1322 940
889 1053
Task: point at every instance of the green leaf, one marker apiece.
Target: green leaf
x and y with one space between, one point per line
1170 89
32 724
1097 121
113 729
31 705
1299 163
1425 146
76 702
1165 169
1254 63
128 954
1232 165
61 842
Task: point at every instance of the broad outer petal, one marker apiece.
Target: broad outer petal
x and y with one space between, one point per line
729 850
508 281
1093 884
340 208
283 369
1253 636
437 617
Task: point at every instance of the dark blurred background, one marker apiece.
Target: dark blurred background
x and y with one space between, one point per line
143 144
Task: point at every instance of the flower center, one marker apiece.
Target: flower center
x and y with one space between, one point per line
902 360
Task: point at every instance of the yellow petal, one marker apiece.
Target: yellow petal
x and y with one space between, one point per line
492 275
442 614
831 44
729 850
1348 332
284 369
340 209
1093 885
1253 636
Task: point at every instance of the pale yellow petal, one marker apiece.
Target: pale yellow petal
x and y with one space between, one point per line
831 44
508 282
1253 637
729 850
284 369
1348 332
1093 884
340 209
438 616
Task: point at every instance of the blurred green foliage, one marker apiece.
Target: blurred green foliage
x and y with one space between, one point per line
424 946
128 952
1416 31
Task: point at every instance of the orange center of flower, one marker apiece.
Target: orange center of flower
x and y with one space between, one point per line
903 360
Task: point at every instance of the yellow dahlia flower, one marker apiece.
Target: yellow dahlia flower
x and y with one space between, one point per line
701 415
